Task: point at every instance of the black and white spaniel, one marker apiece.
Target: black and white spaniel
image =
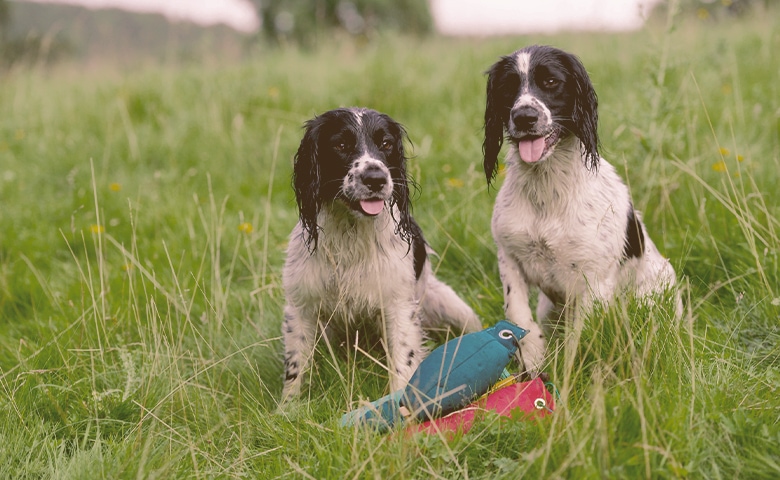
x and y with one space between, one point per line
563 220
357 254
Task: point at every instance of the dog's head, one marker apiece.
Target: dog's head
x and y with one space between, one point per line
355 156
538 96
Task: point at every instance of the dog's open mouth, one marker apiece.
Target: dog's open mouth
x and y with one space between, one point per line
533 148
369 206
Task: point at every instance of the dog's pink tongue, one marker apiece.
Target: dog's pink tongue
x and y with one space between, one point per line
531 150
372 207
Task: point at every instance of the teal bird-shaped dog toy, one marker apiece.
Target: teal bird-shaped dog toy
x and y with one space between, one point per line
461 370
449 378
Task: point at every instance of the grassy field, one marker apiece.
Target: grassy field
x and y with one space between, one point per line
144 217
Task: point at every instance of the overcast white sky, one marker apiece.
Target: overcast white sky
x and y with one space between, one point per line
239 14
451 17
503 17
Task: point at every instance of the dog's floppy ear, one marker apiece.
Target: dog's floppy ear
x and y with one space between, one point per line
585 114
503 82
306 182
496 116
401 194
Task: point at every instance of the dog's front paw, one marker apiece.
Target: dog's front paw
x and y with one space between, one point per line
291 390
528 376
291 407
532 352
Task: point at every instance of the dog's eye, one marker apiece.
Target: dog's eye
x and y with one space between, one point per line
386 145
550 83
340 147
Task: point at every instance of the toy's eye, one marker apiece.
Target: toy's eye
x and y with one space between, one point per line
539 403
506 334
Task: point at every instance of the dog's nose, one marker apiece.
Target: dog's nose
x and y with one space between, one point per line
525 118
375 179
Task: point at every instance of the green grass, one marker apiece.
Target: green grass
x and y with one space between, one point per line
139 326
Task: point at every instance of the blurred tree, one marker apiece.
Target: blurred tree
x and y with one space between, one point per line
301 21
5 16
30 47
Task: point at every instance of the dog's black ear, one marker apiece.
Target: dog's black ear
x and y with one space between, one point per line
401 194
306 183
585 114
496 116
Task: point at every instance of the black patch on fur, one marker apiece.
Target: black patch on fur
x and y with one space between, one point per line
418 249
290 370
635 239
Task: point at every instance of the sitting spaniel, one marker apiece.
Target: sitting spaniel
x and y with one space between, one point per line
563 220
356 254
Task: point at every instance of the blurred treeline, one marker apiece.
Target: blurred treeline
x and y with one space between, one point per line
46 33
304 21
35 33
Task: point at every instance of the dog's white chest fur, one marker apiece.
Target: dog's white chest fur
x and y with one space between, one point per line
560 221
351 277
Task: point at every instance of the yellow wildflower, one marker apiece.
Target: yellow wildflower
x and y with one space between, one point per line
245 227
98 229
719 166
455 182
115 187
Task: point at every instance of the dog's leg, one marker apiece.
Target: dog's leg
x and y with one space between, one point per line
601 291
544 308
548 314
518 311
404 343
441 306
298 334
